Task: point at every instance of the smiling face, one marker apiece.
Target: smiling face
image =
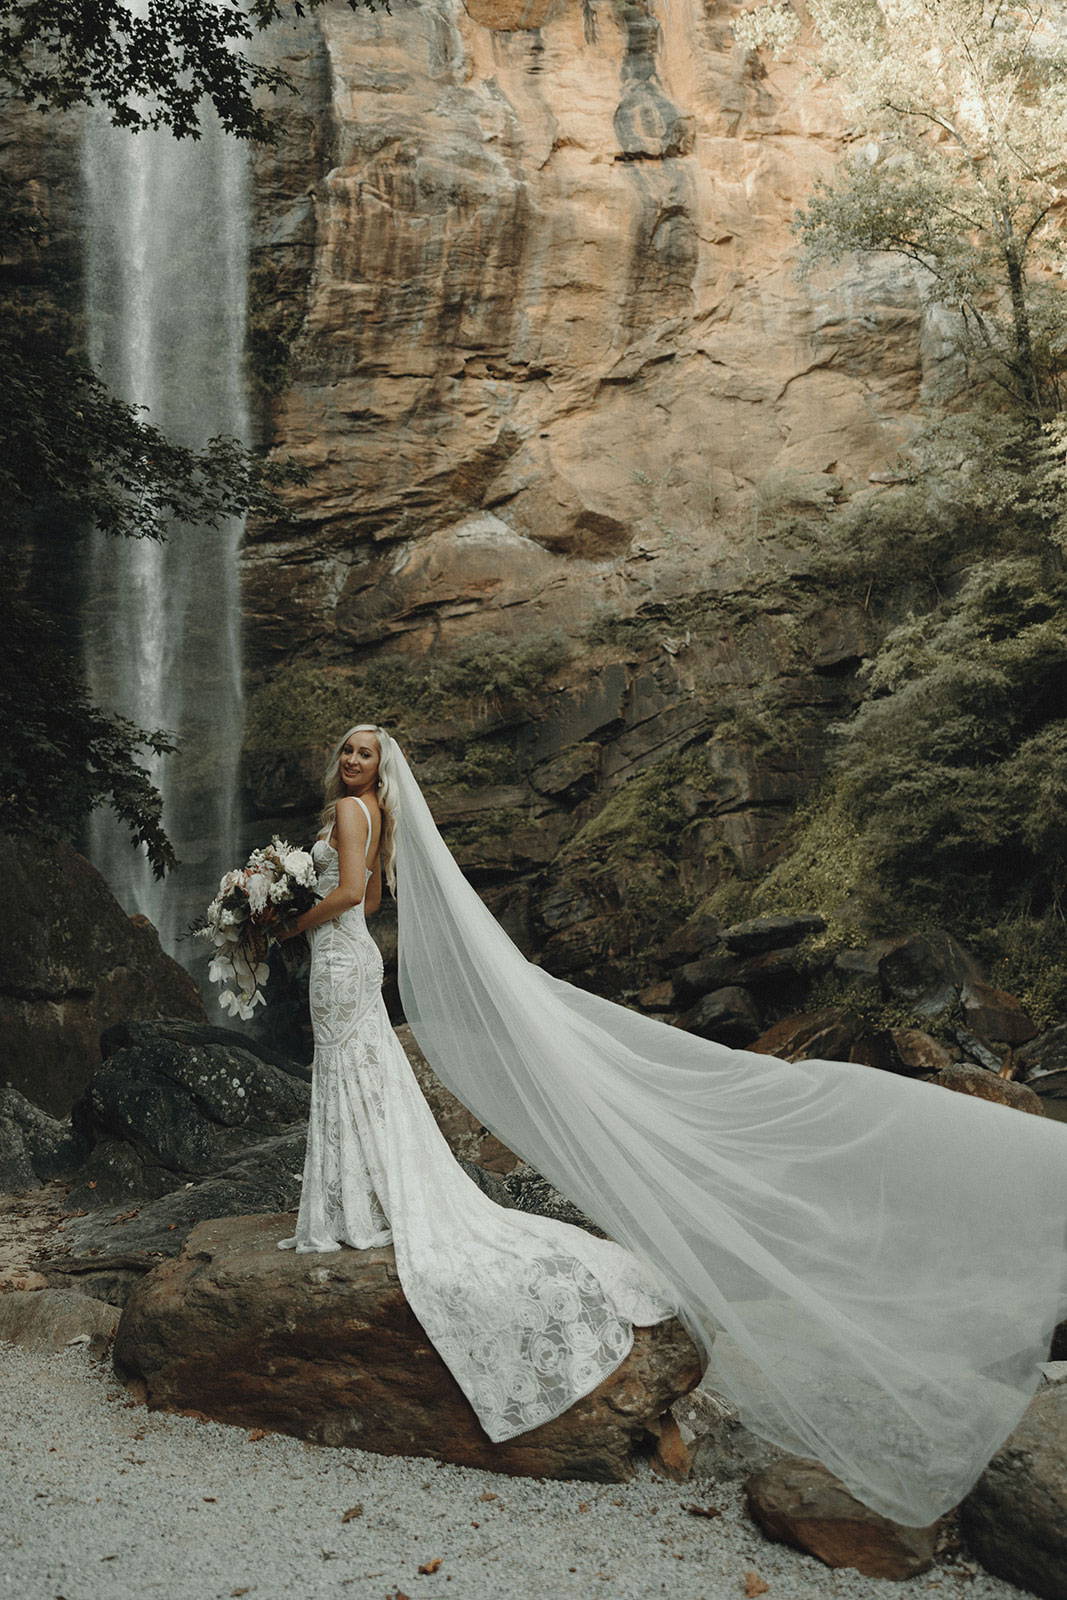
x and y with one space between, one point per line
359 761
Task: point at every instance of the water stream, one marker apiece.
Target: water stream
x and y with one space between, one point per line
167 244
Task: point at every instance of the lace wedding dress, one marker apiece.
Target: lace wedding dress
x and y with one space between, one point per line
528 1312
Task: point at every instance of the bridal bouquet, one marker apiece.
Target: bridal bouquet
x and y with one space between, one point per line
275 883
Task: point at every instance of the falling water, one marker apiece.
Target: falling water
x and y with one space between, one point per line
165 300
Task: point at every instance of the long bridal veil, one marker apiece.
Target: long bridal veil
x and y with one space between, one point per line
872 1265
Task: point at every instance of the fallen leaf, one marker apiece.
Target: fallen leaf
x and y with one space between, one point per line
92 1183
257 1434
475 1524
352 1513
583 1505
754 1585
431 1566
235 1592
209 1499
488 1495
703 1511
170 1229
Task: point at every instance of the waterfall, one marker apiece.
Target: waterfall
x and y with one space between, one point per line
167 242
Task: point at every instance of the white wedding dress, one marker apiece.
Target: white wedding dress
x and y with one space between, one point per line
528 1312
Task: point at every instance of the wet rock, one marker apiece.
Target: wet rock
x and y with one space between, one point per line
714 970
859 968
799 1502
571 775
728 1016
330 1350
965 1079
1015 1517
53 1319
824 1035
908 1051
163 1112
131 1032
928 971
524 1189
771 933
107 1251
33 1146
918 1052
995 1016
1042 1063
703 1437
72 963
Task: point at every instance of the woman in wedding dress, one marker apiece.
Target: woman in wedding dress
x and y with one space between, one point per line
528 1312
872 1266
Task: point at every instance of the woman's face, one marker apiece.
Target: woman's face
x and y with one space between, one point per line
360 758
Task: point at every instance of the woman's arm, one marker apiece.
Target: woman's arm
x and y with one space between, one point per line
352 835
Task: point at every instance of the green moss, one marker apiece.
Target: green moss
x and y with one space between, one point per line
642 817
311 704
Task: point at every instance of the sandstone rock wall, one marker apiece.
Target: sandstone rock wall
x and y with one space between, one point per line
536 337
552 357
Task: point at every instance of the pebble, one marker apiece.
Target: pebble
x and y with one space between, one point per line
101 1499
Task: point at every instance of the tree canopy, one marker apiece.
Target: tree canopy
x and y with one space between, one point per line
150 65
960 110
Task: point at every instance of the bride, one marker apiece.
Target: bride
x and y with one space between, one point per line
872 1265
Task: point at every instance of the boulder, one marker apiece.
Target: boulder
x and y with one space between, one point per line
918 1053
799 1502
132 1031
927 970
984 1085
823 1035
726 1015
715 969
330 1350
771 933
1042 1064
52 1319
33 1146
163 1112
702 1436
1015 1517
995 1016
73 963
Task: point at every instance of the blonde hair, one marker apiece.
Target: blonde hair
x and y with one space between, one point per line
333 789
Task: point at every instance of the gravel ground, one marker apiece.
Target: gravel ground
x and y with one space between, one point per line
101 1499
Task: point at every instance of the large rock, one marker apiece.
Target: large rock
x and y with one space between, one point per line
967 1079
53 1319
330 1350
1042 1065
927 971
72 964
33 1146
799 1502
703 1437
167 1111
1015 1518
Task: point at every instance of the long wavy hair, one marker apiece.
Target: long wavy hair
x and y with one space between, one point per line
333 789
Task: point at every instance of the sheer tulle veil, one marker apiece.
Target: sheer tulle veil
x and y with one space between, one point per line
872 1266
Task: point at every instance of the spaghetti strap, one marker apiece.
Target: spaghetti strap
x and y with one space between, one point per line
366 812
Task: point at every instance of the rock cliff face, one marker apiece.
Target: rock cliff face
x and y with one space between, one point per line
548 355
525 309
